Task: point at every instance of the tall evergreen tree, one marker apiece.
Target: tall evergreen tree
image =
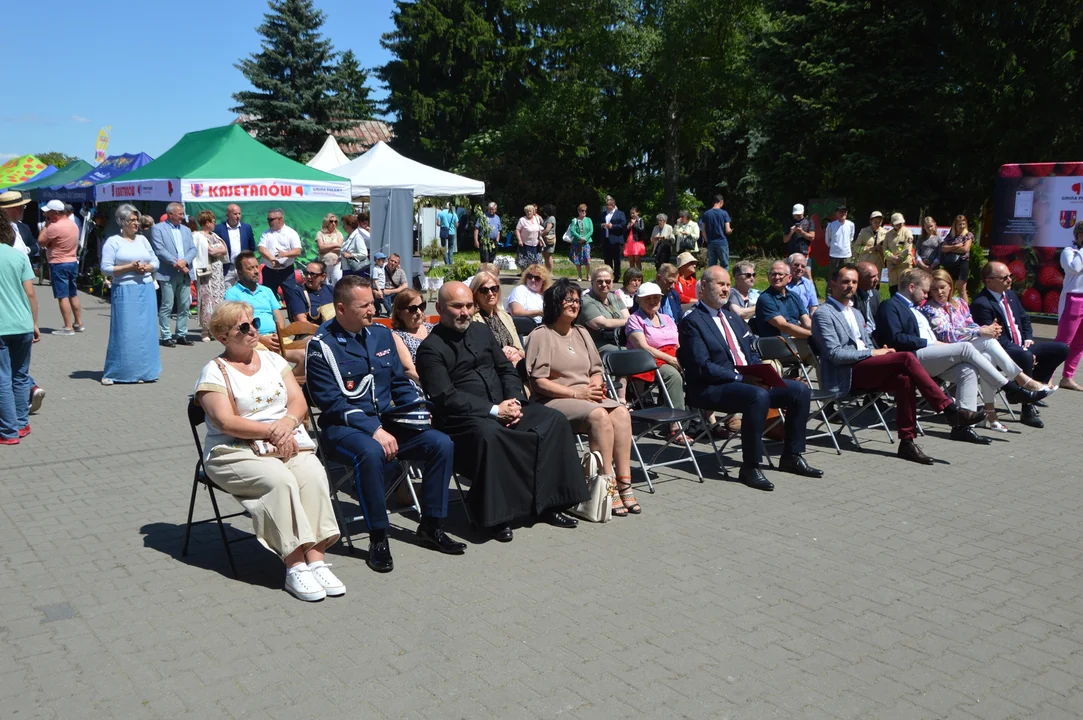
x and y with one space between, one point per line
351 84
457 68
293 106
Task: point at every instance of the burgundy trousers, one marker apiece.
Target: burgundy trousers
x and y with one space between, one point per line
900 374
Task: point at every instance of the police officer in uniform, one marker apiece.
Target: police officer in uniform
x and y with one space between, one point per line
372 414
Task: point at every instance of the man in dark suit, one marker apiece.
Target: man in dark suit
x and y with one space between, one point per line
715 344
614 227
998 303
238 236
867 297
519 455
355 377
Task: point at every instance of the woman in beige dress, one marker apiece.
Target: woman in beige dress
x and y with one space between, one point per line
565 373
329 243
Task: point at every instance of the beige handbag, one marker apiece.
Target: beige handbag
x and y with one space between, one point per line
599 506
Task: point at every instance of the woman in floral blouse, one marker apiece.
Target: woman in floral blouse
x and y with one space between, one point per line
951 322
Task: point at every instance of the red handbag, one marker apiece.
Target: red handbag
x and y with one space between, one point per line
648 377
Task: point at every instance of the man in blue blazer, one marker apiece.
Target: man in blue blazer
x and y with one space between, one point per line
998 303
355 377
172 243
614 228
714 346
238 236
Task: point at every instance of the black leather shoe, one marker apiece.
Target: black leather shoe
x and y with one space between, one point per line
1021 396
182 340
797 465
755 479
961 417
559 519
380 556
910 451
501 533
1030 417
435 538
168 342
965 434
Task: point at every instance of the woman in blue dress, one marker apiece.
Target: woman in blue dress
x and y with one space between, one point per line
132 355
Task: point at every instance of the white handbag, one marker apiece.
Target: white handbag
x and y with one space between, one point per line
599 506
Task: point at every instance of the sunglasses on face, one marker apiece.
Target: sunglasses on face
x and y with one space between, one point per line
247 327
415 308
532 278
746 275
489 290
309 273
272 219
600 281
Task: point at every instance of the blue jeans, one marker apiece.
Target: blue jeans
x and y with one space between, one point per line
15 383
176 298
449 250
718 253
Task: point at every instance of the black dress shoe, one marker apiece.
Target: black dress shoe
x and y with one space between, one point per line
797 465
559 519
1021 396
965 434
961 417
1030 417
434 537
380 556
908 450
168 342
183 340
755 479
501 533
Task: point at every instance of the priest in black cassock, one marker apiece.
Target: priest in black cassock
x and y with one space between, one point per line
520 456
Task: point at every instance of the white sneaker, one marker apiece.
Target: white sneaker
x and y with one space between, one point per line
301 583
327 580
63 331
106 381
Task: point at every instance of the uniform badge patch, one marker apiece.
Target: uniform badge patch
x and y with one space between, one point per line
383 352
350 384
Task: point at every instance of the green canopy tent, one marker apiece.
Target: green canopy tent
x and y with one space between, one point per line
210 169
38 187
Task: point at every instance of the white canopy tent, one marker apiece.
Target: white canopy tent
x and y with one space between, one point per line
382 167
329 157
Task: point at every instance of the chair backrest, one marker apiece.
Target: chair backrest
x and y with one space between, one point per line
196 417
779 348
524 325
621 337
628 362
299 327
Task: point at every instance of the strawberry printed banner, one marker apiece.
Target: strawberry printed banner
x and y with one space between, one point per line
21 169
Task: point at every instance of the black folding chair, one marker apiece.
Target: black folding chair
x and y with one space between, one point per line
524 326
861 402
196 417
782 350
625 363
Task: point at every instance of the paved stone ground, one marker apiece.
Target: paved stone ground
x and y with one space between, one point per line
882 591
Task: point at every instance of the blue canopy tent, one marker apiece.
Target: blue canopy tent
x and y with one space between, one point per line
82 189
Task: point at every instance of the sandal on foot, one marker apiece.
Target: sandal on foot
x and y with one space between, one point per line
627 497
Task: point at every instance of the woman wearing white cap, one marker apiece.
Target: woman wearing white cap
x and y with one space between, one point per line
653 331
898 250
869 245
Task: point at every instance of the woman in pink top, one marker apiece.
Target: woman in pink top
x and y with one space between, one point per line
60 238
1070 327
654 331
528 233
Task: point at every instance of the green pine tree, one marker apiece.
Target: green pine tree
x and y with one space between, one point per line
293 106
351 84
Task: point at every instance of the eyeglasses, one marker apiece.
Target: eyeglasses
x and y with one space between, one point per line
600 281
746 275
572 301
246 328
531 278
489 289
309 273
415 308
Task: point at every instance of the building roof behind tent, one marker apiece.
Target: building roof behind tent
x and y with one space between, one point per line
223 153
354 139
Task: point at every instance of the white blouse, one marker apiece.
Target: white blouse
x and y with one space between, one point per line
528 299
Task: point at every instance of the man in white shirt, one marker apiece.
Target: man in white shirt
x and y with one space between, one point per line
839 236
279 246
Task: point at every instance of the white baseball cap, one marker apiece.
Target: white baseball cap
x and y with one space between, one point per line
798 209
53 205
648 289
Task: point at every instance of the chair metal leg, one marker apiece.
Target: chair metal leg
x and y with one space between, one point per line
462 499
222 530
191 510
340 516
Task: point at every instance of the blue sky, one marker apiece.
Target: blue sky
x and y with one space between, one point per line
153 70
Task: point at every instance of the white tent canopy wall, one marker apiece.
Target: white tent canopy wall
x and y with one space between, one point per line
382 167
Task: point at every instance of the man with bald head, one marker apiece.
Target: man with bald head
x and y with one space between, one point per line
520 456
867 298
998 303
238 236
715 349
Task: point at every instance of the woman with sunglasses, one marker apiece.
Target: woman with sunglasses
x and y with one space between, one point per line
565 372
133 352
329 242
257 450
409 328
526 299
487 310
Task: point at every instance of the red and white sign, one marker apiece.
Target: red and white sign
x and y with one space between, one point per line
152 190
264 189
